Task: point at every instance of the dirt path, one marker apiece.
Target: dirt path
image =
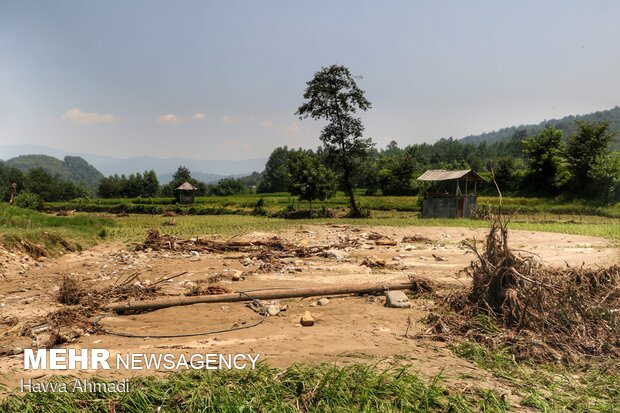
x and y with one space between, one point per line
348 329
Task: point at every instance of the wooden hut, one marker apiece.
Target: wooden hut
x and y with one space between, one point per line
450 194
185 193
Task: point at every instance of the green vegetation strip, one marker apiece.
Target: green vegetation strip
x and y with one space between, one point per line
274 202
300 388
52 232
592 387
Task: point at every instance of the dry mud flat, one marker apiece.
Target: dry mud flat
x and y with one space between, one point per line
348 329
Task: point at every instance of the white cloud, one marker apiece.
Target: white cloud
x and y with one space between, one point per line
293 129
199 116
227 119
266 124
87 118
169 118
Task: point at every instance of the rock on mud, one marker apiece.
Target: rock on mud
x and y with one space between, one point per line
323 301
306 319
335 254
397 299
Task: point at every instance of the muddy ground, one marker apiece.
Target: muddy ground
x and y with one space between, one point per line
349 329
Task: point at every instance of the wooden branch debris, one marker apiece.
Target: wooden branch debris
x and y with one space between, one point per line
261 295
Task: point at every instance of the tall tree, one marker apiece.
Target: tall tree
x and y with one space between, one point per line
587 149
333 95
275 176
547 162
182 175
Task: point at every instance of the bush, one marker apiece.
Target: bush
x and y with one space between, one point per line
29 200
259 208
363 213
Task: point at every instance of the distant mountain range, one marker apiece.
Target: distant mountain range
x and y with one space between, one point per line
566 124
204 170
72 168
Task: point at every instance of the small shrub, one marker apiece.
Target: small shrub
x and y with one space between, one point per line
29 200
363 213
259 208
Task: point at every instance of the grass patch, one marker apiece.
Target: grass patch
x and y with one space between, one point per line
134 227
300 388
551 387
20 227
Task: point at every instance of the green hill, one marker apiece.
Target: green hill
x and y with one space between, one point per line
566 124
72 168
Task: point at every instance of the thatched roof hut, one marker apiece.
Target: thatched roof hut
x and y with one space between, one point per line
185 193
451 194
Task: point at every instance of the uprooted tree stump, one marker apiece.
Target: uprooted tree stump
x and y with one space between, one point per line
566 313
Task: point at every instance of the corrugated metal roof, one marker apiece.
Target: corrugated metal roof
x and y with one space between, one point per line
186 186
443 175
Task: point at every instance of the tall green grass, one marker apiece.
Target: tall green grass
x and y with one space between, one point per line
592 387
299 388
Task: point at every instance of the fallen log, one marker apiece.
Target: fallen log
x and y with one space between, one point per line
260 295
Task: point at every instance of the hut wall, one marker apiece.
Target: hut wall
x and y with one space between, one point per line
186 197
448 207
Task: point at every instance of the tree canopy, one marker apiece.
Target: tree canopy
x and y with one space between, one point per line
333 95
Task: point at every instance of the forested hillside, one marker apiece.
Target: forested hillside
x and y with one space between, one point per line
73 168
566 124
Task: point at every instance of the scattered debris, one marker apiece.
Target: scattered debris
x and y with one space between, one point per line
386 242
266 308
373 262
70 292
196 290
374 236
415 238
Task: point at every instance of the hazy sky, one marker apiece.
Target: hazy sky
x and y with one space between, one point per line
222 80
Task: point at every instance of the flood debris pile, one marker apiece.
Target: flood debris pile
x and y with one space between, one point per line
73 292
536 311
62 326
266 252
195 290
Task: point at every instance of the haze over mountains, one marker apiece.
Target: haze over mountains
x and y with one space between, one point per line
203 170
213 170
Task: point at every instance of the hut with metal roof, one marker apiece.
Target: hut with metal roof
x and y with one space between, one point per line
185 193
449 194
